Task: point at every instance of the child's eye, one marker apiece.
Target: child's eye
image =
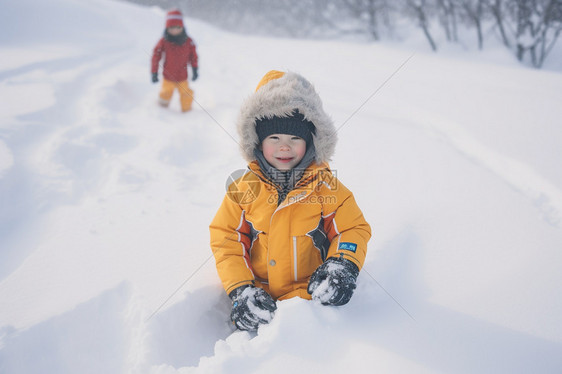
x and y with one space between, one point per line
272 137
296 138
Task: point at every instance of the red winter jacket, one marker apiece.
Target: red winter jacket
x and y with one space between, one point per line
176 59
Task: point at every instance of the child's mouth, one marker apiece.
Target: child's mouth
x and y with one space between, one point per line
284 159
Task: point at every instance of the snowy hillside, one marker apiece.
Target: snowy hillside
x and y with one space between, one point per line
106 199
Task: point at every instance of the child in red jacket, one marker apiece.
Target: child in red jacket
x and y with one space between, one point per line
179 51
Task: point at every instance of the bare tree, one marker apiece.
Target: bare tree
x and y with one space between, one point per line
497 8
368 10
537 24
421 9
447 13
474 11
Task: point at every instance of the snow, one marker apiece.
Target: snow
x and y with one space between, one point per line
106 198
6 158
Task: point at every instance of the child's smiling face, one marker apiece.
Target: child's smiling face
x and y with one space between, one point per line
283 151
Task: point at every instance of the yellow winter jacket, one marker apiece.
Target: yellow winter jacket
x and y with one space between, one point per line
255 241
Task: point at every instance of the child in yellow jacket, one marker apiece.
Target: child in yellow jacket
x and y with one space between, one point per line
287 227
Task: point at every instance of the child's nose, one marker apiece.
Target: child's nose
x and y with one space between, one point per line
284 147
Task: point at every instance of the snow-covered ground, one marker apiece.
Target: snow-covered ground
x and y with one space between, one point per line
106 198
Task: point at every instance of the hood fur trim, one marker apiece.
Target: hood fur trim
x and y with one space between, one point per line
280 97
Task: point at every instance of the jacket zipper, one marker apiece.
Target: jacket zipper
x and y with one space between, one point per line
294 237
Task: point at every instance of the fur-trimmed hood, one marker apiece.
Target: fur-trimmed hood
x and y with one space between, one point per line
280 94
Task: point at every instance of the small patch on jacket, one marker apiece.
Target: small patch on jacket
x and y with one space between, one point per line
352 247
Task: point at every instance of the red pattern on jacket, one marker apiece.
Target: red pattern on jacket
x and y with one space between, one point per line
176 59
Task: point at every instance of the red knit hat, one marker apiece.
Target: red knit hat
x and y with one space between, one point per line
174 18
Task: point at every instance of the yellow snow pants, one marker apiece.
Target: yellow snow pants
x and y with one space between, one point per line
186 94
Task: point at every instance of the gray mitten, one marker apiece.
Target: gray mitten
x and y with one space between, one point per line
251 306
334 281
